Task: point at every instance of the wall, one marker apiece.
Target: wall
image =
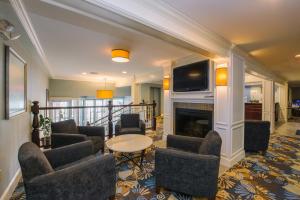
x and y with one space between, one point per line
16 131
146 93
253 92
77 89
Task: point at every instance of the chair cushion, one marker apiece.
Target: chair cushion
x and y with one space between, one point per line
67 126
211 144
97 141
130 120
131 131
33 161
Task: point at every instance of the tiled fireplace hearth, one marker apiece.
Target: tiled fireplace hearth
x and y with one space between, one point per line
192 119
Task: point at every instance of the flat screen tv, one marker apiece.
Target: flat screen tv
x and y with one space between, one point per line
191 77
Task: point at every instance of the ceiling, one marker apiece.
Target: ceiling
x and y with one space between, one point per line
269 30
74 44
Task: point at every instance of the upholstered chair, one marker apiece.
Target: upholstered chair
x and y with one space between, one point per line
67 132
130 124
189 165
257 135
71 172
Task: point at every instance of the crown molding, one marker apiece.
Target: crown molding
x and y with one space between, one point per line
160 16
24 18
254 67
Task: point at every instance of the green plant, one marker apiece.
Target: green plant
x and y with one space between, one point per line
45 125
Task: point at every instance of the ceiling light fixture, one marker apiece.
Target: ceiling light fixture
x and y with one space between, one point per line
297 56
120 55
124 72
104 93
84 73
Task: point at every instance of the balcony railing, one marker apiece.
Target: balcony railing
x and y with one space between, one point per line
111 112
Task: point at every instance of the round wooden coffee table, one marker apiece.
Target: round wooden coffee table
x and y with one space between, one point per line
130 143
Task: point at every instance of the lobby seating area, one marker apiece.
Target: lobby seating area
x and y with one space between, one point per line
149 100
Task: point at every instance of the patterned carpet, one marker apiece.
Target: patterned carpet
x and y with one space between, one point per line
275 176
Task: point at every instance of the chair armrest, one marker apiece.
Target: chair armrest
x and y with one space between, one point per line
92 131
63 139
185 143
118 126
92 179
186 164
142 126
70 153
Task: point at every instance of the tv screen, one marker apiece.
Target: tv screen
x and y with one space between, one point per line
191 77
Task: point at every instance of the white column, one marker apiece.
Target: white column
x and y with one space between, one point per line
268 103
135 92
284 102
229 113
168 104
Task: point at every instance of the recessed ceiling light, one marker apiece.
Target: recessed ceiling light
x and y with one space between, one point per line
297 56
124 72
84 73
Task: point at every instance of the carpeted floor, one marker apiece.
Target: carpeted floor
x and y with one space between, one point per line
275 176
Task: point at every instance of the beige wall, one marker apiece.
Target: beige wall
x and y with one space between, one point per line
77 89
16 131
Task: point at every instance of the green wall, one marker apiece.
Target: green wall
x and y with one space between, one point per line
77 89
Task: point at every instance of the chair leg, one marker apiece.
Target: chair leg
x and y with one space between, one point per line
112 197
158 190
211 198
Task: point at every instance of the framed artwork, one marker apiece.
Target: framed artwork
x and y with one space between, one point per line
15 84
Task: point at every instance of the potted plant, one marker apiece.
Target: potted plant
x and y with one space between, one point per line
45 129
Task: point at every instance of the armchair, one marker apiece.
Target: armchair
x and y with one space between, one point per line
257 135
71 172
189 165
66 133
130 124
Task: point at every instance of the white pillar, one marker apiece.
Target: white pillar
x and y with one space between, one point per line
284 102
268 103
229 113
168 105
135 92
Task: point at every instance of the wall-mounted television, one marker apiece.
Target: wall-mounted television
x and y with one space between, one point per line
191 77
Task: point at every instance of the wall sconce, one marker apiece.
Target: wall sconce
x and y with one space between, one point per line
166 83
221 76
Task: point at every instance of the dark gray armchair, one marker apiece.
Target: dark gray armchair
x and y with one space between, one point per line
130 124
66 133
189 165
71 172
257 135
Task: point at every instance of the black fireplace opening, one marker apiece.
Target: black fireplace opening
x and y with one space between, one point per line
192 122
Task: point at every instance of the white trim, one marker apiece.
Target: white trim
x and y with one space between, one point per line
11 186
233 160
24 18
140 11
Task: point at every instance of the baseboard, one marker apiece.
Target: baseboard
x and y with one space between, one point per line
229 162
11 186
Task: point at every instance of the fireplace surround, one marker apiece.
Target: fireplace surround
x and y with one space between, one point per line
193 122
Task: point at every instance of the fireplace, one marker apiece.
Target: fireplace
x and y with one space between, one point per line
193 122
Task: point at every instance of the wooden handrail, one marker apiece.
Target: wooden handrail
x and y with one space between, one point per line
112 113
85 107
